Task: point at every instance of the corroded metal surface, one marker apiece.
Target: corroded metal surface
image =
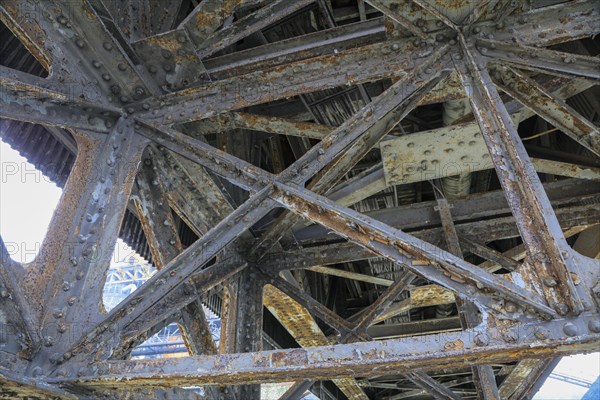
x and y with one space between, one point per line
208 119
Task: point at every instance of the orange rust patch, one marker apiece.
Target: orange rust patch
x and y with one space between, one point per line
454 346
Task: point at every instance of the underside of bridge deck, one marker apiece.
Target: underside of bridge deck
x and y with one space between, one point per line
381 199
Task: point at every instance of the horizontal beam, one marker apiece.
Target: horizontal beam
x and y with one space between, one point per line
365 64
297 48
470 347
484 206
417 256
540 59
249 24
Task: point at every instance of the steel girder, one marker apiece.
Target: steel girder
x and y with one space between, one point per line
118 92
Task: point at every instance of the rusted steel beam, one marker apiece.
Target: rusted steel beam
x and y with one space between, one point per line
489 254
397 12
297 320
176 272
74 258
421 296
161 233
547 247
431 386
364 64
570 217
350 275
554 110
483 375
546 26
20 334
249 24
335 155
238 172
297 48
19 386
25 97
415 255
168 308
439 12
383 302
317 309
530 340
244 332
280 126
540 59
82 36
523 376
208 16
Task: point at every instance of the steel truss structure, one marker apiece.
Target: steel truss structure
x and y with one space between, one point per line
159 100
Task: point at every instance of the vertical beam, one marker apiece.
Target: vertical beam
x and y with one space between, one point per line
155 291
18 333
548 251
245 331
159 227
483 376
75 256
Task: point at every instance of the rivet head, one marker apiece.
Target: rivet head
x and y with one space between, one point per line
71 300
62 328
73 259
181 38
510 307
48 341
561 308
570 329
66 286
482 339
107 46
106 77
541 333
36 371
166 54
122 66
139 91
4 293
96 64
79 43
